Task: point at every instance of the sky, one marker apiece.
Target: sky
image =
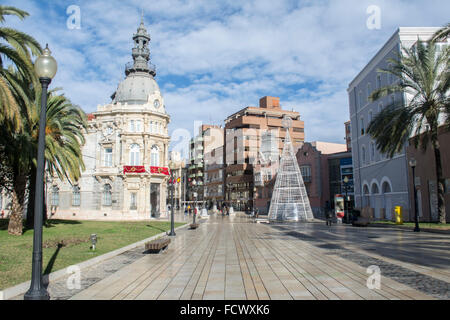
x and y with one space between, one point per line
214 58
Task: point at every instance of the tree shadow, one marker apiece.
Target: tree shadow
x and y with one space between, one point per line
4 224
51 262
155 227
49 223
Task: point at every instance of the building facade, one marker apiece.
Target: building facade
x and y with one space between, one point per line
248 132
126 151
380 182
425 179
313 161
209 138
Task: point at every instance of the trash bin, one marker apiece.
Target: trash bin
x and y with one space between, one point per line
398 215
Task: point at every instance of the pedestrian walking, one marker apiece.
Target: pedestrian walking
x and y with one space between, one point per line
328 214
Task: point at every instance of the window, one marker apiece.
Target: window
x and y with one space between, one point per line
151 126
369 91
154 156
360 100
108 157
133 201
55 196
75 196
135 155
370 116
132 126
363 154
392 99
379 81
391 76
106 195
380 107
362 126
372 151
306 173
138 126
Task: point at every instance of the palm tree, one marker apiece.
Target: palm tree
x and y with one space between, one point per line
441 34
424 78
15 48
64 138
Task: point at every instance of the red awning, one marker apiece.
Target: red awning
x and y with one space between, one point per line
133 169
160 170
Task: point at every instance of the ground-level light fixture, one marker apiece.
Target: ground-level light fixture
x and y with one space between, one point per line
93 238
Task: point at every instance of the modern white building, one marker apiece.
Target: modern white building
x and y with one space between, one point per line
126 151
380 182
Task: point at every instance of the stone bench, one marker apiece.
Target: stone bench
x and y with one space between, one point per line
156 245
193 226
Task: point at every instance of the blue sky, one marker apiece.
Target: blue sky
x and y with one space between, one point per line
216 57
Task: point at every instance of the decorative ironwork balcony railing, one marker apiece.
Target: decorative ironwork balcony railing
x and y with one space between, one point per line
130 67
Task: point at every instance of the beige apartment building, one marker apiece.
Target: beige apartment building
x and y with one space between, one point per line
209 138
251 134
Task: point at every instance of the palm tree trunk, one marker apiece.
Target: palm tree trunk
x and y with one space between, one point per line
31 195
15 226
440 180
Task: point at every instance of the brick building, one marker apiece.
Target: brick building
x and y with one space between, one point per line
425 179
244 131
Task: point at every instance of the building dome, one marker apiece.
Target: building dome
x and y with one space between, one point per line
136 88
139 83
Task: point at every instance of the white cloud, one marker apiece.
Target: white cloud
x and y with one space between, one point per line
228 53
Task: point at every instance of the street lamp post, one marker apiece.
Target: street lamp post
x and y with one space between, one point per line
45 67
172 187
345 200
194 188
412 164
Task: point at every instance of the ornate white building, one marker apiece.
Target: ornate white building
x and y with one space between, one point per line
126 151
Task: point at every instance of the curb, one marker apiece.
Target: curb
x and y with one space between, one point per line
379 225
24 286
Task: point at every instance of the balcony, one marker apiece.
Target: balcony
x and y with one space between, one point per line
199 147
199 174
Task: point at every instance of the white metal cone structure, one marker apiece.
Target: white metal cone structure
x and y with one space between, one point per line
289 198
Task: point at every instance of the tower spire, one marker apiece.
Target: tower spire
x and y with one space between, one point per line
141 52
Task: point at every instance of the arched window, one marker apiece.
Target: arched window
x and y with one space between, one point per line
106 195
386 188
379 81
75 196
135 153
375 189
369 91
55 196
154 156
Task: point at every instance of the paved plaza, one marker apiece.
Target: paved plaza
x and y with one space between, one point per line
235 258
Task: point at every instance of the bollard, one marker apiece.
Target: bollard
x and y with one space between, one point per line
398 215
